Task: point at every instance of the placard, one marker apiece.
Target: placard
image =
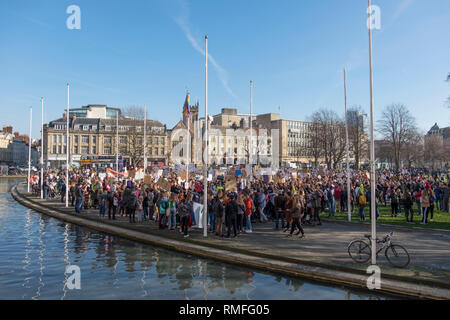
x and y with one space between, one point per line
164 184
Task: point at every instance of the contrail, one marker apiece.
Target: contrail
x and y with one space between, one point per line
223 74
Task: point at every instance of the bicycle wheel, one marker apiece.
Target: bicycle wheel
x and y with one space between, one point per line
359 251
397 256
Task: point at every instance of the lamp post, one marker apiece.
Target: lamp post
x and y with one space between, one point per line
372 149
348 152
67 149
205 154
29 151
42 148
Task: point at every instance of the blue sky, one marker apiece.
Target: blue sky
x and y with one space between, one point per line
148 52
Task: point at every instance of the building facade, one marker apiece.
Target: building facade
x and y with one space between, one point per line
98 136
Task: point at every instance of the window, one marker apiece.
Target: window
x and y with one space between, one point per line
123 140
150 151
138 129
94 140
156 151
94 127
85 139
65 150
94 150
163 140
85 127
76 139
107 150
54 149
59 150
139 140
150 140
156 140
162 151
75 149
59 139
107 140
107 128
85 150
54 139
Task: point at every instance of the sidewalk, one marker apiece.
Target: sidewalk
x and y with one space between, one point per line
324 250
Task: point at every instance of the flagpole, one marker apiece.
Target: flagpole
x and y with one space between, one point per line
29 151
117 140
347 147
42 148
372 149
145 138
250 153
188 142
205 166
67 149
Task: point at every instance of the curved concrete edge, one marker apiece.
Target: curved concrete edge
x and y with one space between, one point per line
390 226
330 275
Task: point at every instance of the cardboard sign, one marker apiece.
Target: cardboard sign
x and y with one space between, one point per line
147 179
230 184
131 174
164 184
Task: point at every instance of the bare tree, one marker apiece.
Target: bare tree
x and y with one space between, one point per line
397 126
434 152
413 152
331 136
134 145
315 142
133 112
357 136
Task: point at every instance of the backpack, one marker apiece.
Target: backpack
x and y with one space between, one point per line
162 207
362 200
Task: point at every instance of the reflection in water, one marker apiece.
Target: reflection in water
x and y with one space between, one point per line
39 248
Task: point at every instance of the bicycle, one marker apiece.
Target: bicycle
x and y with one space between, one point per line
360 250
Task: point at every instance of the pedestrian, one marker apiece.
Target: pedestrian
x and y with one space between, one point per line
140 209
249 208
231 210
296 217
362 201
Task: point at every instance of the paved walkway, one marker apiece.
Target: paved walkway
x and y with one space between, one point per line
323 245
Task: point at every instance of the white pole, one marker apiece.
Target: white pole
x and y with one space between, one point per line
67 149
250 153
42 148
145 138
29 151
187 151
372 151
117 140
348 152
205 166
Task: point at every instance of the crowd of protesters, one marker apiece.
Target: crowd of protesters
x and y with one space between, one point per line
288 201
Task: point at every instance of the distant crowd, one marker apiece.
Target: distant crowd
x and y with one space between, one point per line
288 201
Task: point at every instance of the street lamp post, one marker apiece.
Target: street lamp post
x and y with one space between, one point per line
348 152
29 151
42 148
205 154
67 149
372 150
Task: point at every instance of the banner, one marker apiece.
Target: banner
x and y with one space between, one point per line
115 174
198 215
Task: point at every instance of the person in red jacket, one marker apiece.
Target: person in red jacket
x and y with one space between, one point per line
248 212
